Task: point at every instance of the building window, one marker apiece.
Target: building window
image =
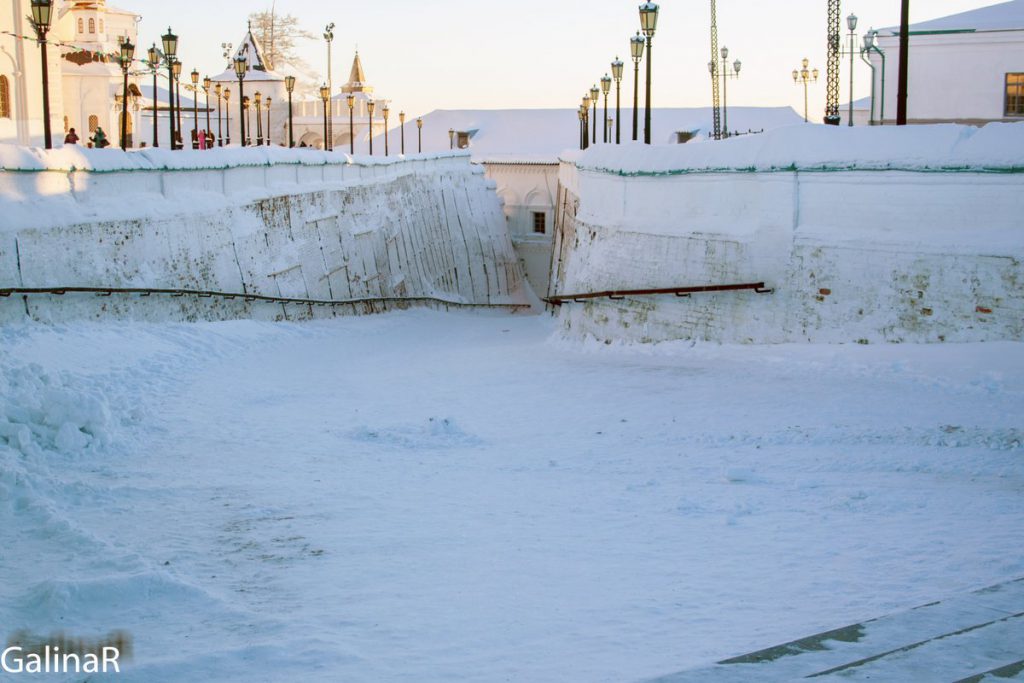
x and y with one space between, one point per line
81 25
1015 94
5 98
94 123
92 25
463 141
540 222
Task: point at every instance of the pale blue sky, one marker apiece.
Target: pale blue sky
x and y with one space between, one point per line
538 53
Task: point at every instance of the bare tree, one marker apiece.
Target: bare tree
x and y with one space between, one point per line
277 36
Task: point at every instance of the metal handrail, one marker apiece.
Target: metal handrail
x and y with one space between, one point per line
618 294
205 294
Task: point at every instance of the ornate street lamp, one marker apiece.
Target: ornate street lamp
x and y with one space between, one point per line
195 108
227 115
804 75
401 124
289 85
727 73
153 56
240 69
419 134
595 96
218 91
258 102
329 37
206 91
248 121
386 110
851 23
586 116
370 106
325 95
42 15
351 100
582 132
451 138
127 55
617 66
636 48
648 24
267 105
606 88
176 71
170 42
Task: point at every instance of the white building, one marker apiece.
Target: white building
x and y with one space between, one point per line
964 68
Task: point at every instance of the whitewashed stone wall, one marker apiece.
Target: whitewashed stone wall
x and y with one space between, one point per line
423 227
858 256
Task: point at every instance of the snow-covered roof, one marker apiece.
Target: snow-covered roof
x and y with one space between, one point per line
1006 16
256 65
538 135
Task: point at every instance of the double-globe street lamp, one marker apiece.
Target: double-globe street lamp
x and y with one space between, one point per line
727 73
240 69
170 43
805 76
127 55
648 25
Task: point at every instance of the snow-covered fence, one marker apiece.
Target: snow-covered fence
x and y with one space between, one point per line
866 235
299 224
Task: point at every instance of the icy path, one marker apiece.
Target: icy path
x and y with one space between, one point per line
443 497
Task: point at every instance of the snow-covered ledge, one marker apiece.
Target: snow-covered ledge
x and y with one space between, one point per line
866 234
299 224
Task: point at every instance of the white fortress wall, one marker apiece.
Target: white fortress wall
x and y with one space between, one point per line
867 235
275 222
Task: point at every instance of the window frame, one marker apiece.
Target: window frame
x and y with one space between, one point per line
1019 95
543 221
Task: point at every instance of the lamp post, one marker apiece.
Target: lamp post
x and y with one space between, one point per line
351 100
206 92
289 85
419 135
606 88
258 102
195 108
386 110
42 15
617 66
903 78
127 55
581 131
727 73
227 115
267 105
585 104
325 95
246 108
154 63
240 69
636 48
595 98
804 75
401 125
451 138
176 70
648 24
329 37
851 23
170 42
218 91
370 106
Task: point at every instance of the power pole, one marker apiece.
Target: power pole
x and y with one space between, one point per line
716 101
832 84
901 97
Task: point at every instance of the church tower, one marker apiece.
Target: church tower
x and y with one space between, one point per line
357 79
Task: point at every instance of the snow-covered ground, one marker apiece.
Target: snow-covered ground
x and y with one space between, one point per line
444 497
